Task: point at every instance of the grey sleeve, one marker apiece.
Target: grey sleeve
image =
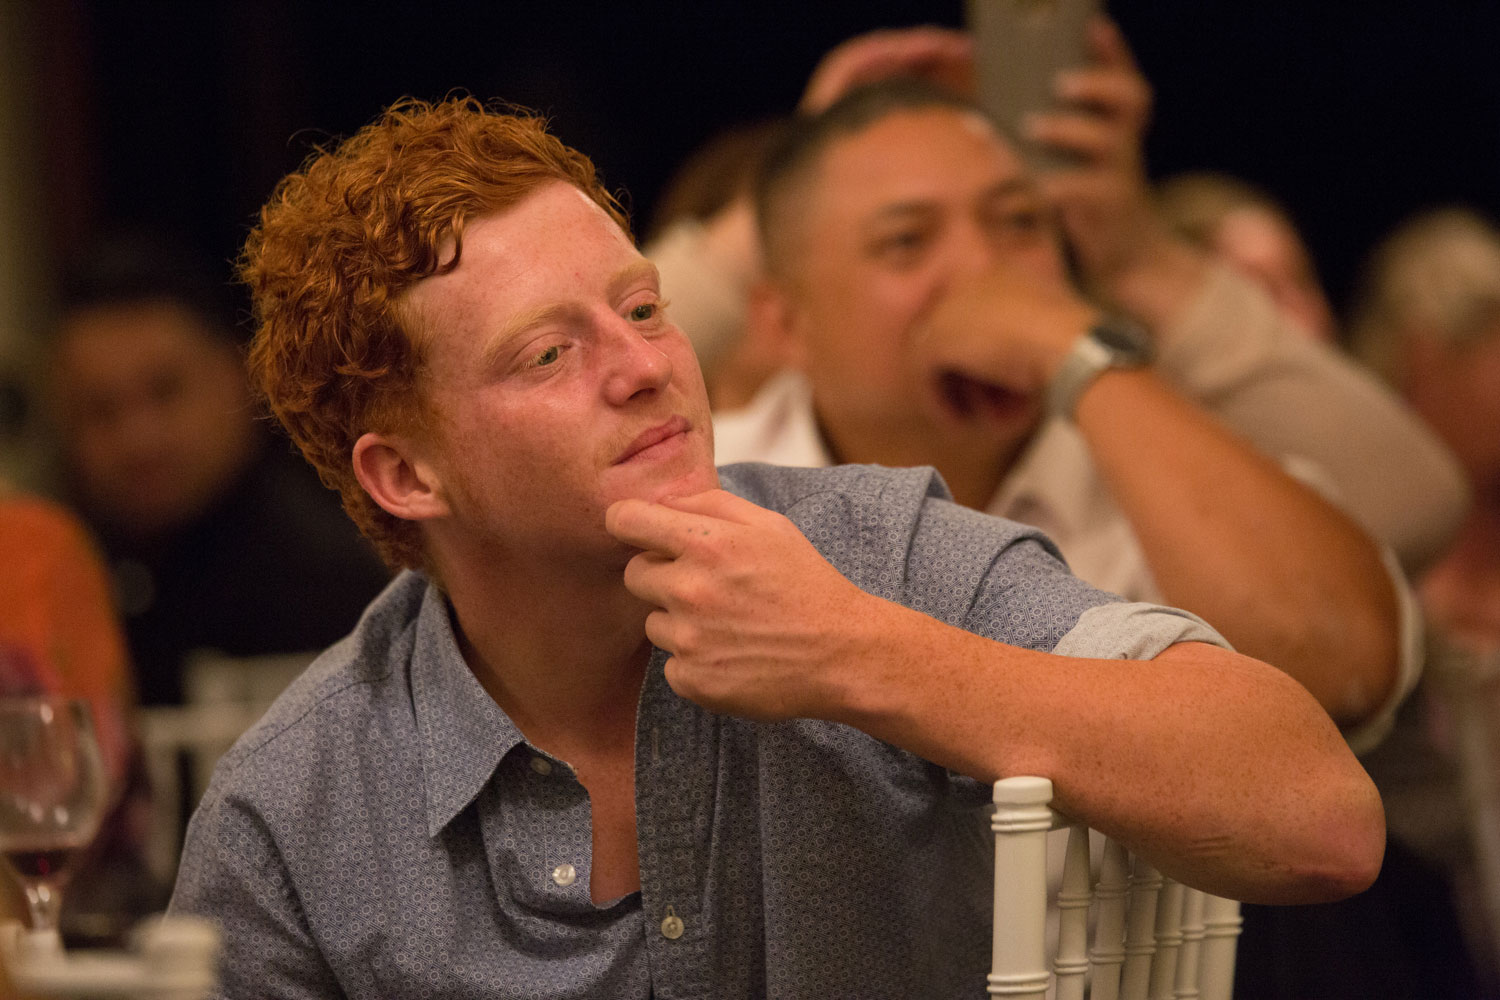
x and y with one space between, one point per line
1134 631
232 873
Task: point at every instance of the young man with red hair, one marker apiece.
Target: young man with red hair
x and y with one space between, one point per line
632 726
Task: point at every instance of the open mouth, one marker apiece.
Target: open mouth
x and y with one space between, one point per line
974 399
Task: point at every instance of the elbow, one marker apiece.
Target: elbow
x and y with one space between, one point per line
1370 645
1349 656
1350 860
1344 849
1363 685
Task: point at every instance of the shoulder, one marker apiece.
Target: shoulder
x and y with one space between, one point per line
349 693
782 488
896 534
839 499
776 426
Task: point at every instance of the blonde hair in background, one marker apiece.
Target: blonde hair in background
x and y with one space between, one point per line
1437 275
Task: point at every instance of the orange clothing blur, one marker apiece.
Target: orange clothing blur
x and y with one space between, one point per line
58 630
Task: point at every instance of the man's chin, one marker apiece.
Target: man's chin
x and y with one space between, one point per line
698 479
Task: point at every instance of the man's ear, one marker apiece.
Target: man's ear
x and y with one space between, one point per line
388 468
773 316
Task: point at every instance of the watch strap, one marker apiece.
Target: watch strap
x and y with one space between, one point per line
1110 344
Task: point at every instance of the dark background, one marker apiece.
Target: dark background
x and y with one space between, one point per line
184 115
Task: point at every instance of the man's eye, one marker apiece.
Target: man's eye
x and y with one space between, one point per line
897 242
1024 221
902 247
644 311
1018 222
548 356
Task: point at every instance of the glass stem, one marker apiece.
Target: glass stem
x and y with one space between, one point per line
45 903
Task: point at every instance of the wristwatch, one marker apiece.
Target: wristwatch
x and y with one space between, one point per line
1113 342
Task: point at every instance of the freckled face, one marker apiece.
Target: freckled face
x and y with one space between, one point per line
555 382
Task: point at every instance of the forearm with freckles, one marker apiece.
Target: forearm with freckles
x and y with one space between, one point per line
1215 767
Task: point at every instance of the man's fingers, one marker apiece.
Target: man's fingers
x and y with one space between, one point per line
942 55
660 629
647 576
1107 45
652 527
1107 93
717 504
1093 140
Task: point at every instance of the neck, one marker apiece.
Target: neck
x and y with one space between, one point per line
564 656
972 467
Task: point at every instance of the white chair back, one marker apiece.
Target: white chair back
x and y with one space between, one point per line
181 743
1154 939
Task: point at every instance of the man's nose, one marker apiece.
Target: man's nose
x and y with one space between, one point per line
634 363
974 250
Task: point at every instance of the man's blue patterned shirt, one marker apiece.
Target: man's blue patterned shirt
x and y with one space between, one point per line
386 832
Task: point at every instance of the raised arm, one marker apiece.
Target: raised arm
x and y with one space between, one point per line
1222 341
1216 767
1228 533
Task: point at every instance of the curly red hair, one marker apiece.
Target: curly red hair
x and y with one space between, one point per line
339 243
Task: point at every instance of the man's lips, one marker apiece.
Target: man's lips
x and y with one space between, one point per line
652 437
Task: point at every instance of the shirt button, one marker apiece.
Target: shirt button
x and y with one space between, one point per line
671 926
541 765
565 875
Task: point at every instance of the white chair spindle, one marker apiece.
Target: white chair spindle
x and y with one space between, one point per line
1168 940
1021 821
1140 931
1109 927
1076 892
1192 946
1221 933
1153 939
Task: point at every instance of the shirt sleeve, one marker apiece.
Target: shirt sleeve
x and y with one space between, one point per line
1242 360
1411 655
1133 631
232 871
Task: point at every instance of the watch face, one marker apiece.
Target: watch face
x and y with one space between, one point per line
1126 339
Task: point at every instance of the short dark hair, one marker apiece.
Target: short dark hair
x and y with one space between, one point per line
791 161
125 267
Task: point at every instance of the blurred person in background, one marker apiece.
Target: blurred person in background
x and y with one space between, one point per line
1218 332
703 234
885 234
1248 229
1427 318
216 535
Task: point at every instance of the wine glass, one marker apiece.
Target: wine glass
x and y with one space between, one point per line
52 797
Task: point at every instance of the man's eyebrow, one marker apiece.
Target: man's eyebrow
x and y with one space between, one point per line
1022 184
918 206
542 315
519 324
633 272
898 209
